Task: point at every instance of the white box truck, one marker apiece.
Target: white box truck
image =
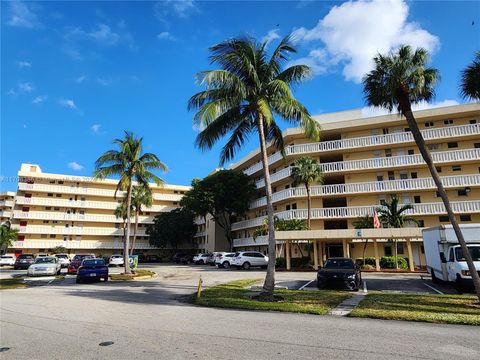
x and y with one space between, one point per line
445 260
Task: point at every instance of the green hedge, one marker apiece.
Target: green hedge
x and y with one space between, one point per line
369 260
388 262
281 263
303 262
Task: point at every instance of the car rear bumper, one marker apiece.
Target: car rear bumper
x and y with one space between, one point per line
337 282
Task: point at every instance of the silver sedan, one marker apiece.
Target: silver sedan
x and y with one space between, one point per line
48 265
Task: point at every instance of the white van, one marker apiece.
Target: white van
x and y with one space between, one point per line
445 260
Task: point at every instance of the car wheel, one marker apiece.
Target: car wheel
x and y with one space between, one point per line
435 280
201 262
105 278
246 265
78 281
226 264
458 285
320 285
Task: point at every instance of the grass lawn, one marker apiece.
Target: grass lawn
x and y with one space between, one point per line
138 273
448 309
12 283
235 295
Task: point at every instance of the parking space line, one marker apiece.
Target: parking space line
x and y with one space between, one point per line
365 287
305 285
436 290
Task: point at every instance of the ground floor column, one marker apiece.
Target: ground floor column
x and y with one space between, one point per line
346 248
315 254
288 251
321 252
411 264
377 258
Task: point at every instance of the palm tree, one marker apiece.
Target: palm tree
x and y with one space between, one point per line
364 222
391 216
141 196
398 80
470 83
7 235
242 97
129 164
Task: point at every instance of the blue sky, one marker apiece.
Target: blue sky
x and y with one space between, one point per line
74 75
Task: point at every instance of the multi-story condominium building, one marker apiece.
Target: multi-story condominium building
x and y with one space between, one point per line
77 212
6 205
365 160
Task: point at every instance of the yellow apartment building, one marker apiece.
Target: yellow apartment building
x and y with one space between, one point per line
7 199
77 212
365 160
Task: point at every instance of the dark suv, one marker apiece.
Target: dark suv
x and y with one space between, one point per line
24 261
339 272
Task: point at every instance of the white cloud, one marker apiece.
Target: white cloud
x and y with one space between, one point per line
103 81
68 104
80 79
354 32
96 128
22 15
39 99
102 34
75 166
26 87
271 35
373 111
180 8
165 35
24 64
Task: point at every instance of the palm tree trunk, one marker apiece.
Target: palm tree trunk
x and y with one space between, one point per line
134 232
417 135
364 249
396 253
309 209
126 245
269 284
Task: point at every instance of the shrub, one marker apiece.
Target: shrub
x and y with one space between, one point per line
369 260
281 263
368 267
388 262
301 262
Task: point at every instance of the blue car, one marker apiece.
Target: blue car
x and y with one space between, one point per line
92 269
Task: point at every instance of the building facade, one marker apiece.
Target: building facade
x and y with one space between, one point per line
365 160
7 200
77 212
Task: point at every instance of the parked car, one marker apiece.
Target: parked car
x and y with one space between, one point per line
200 259
41 255
186 259
63 259
23 261
224 259
7 260
92 269
116 260
211 258
247 259
339 272
45 265
177 257
77 261
153 259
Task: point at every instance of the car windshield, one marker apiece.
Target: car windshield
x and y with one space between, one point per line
7 257
46 260
62 256
93 262
81 257
116 256
25 257
473 250
339 264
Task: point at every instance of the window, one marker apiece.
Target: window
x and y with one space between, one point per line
406 129
379 177
421 223
385 131
391 175
456 168
388 152
56 209
403 175
451 256
43 236
417 199
438 168
448 122
52 181
433 147
400 249
411 152
413 175
58 195
473 121
388 250
50 194
294 206
462 192
429 124
48 208
465 218
287 207
443 218
476 145
53 236
383 202
45 221
452 144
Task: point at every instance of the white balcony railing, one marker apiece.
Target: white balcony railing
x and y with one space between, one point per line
459 207
5 214
53 215
384 162
6 203
368 141
85 190
370 187
58 202
249 241
76 244
73 230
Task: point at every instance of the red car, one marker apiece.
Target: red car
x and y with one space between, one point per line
77 261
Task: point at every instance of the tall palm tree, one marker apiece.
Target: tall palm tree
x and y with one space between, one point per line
398 80
242 97
470 83
391 216
141 196
306 171
7 235
130 164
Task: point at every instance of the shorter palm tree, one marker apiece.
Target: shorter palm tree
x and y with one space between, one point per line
7 235
121 213
470 83
141 196
393 216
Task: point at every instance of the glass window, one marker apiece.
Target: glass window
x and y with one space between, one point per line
473 250
451 257
339 264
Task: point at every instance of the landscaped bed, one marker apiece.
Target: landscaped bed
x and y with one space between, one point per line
12 283
137 274
237 295
448 309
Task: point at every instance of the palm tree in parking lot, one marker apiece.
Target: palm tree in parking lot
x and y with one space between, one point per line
242 98
470 82
397 81
7 236
130 164
141 196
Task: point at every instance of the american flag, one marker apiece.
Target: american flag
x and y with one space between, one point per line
376 221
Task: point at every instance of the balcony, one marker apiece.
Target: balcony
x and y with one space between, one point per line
369 141
84 190
76 244
200 234
6 203
371 187
440 157
250 241
5 214
73 230
459 207
52 215
58 202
